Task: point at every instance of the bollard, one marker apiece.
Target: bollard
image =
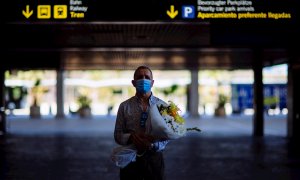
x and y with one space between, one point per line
2 121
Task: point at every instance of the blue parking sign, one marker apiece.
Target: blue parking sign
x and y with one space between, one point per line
188 12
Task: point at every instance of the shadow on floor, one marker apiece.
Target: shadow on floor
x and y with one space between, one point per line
79 150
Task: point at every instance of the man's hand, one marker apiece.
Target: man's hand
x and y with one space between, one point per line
142 141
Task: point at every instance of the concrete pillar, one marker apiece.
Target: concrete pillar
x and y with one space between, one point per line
293 99
2 103
60 93
258 101
194 95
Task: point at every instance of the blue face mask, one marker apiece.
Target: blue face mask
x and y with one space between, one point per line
143 85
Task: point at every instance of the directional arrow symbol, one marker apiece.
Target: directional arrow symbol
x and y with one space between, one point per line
27 13
172 13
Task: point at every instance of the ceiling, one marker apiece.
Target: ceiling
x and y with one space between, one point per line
108 34
161 45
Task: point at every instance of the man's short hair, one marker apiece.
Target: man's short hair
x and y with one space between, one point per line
142 67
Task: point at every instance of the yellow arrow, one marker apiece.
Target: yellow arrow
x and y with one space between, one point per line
27 13
172 13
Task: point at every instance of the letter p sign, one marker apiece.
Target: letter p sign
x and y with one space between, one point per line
188 12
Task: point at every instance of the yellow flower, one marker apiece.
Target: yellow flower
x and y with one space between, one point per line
164 112
171 110
179 119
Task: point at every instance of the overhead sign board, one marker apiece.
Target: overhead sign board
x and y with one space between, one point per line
152 10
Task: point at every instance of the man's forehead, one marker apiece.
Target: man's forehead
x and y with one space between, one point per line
143 71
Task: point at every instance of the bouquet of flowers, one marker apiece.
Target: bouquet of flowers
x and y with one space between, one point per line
167 123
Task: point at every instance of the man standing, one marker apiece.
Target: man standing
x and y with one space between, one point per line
132 127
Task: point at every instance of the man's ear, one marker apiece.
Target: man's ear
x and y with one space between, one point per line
133 82
152 82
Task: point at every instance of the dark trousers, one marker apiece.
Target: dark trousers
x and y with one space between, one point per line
148 167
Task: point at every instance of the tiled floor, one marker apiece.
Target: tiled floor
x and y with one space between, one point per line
80 149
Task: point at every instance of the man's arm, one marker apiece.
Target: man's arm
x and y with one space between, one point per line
119 135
